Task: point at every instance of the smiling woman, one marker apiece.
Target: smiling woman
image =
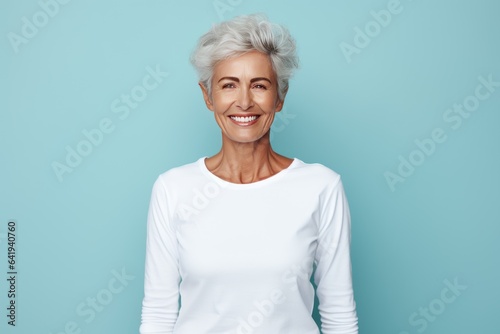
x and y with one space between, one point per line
238 255
244 99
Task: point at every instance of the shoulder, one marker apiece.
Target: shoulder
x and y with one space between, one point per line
179 176
317 172
180 171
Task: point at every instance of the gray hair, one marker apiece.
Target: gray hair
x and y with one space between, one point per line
244 34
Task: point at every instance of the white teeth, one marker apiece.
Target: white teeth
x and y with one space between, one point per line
244 119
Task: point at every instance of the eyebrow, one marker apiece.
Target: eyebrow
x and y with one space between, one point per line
251 80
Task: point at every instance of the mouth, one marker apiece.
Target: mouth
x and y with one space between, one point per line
244 120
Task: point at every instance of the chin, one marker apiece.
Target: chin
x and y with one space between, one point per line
244 139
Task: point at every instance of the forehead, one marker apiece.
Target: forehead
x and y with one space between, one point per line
251 64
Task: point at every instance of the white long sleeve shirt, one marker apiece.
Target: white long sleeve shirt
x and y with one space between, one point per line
227 258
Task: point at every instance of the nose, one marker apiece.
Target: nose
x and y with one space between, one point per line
244 100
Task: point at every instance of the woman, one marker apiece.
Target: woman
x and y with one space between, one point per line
233 239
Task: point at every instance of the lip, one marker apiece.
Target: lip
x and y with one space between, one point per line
244 123
243 115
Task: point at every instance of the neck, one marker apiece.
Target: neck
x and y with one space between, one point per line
246 162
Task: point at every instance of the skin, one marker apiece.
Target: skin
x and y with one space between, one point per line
245 85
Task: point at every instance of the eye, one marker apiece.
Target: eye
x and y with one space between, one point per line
228 85
260 86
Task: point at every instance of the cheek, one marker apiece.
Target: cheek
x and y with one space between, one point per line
267 102
221 101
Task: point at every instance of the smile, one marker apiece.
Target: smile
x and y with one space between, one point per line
245 121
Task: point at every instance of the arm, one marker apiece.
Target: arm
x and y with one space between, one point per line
160 305
333 275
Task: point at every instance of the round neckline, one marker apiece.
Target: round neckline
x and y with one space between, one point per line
224 183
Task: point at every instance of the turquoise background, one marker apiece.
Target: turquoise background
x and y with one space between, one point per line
357 117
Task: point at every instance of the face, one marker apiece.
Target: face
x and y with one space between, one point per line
244 97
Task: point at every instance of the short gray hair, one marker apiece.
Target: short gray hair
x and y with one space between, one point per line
244 34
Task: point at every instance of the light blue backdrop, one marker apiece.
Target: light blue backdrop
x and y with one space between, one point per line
401 98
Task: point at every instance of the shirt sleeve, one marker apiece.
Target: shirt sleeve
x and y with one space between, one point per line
333 274
160 305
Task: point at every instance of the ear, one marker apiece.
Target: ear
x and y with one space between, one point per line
280 103
206 97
